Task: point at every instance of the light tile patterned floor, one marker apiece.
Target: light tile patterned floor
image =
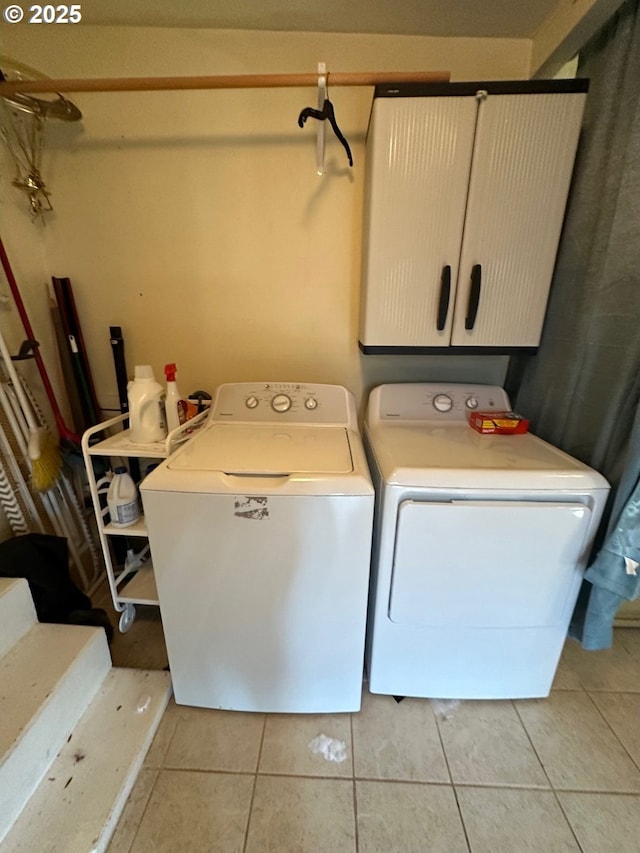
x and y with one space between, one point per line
555 775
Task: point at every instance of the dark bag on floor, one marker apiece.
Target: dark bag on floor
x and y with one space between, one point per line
44 562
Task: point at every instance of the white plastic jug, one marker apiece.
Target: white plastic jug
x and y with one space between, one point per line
147 417
122 499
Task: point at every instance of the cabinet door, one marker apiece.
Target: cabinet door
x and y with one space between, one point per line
419 159
522 163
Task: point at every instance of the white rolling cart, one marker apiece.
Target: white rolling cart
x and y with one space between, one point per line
135 583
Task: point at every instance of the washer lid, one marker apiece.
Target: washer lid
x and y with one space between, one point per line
266 450
455 456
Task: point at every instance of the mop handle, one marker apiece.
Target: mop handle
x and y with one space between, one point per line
17 385
13 285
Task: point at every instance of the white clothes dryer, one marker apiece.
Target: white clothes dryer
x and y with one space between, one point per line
480 542
260 533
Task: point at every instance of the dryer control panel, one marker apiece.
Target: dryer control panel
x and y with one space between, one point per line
433 402
284 402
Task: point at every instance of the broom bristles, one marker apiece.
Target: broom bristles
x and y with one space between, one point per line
46 460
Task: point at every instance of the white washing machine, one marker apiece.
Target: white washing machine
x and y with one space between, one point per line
260 533
480 542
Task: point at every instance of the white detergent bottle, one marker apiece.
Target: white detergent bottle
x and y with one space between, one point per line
122 499
147 416
173 402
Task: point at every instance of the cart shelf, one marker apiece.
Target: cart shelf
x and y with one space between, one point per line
135 584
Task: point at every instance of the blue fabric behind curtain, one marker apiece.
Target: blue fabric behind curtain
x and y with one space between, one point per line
614 574
582 389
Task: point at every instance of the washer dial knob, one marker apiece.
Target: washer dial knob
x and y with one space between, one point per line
443 403
281 403
251 402
311 403
471 402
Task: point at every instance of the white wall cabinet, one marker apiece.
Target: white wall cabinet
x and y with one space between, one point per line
465 194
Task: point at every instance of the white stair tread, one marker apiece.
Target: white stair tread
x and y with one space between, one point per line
47 681
17 613
78 803
32 669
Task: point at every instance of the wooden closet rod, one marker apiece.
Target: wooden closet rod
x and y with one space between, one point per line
242 81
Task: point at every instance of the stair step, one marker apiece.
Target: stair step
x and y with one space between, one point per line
79 802
48 678
17 613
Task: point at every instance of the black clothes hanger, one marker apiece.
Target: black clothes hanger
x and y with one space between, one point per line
326 113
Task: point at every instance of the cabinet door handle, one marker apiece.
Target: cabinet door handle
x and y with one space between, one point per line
474 297
445 293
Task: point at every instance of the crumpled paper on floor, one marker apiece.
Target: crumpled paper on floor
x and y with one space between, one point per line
330 748
444 708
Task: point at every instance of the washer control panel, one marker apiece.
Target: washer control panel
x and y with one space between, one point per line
433 401
273 402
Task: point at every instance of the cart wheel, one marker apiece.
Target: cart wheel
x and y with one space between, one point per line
127 618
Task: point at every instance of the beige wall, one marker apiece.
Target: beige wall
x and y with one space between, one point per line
196 220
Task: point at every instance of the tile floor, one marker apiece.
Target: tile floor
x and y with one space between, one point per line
541 776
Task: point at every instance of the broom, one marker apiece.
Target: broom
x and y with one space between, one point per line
67 436
44 454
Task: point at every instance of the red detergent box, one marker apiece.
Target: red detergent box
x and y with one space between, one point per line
498 423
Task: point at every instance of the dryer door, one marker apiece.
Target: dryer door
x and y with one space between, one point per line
487 563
